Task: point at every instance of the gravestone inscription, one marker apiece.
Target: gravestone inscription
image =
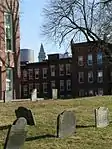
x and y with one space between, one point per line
16 135
27 114
66 124
101 117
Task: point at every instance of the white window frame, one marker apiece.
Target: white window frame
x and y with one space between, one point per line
68 69
8 26
52 69
62 85
68 83
30 88
30 74
90 73
45 87
25 75
45 72
99 59
37 73
61 69
25 90
80 60
90 60
53 84
98 76
79 77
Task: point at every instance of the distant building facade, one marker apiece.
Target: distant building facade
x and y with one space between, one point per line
91 71
46 75
42 55
86 73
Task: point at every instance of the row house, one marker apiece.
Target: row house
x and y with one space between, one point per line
91 72
54 73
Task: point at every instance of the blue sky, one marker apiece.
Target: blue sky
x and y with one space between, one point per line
30 21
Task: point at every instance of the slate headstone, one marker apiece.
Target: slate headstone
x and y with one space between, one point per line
34 95
27 114
66 124
16 135
54 93
101 117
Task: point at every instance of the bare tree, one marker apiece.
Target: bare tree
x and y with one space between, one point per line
66 18
11 8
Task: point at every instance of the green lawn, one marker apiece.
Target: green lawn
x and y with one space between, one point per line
45 114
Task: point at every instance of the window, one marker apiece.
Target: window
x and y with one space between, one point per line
45 90
53 85
45 72
100 91
90 77
37 86
81 93
30 73
9 79
7 19
100 76
25 90
61 85
61 69
81 77
30 88
8 31
24 75
68 69
80 61
52 67
91 93
68 85
90 59
36 73
99 58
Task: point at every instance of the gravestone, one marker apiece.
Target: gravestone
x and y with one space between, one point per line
16 135
34 95
54 93
27 114
101 117
66 124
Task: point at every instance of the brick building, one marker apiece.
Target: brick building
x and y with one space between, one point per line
9 50
46 75
91 71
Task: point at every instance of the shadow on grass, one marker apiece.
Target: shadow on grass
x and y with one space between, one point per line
82 126
40 137
5 127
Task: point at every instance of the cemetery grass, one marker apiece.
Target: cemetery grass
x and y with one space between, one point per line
45 113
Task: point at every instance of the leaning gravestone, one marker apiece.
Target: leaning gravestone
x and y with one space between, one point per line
34 95
54 93
27 114
66 124
16 135
101 117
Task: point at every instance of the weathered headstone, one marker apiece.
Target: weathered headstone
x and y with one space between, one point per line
101 117
54 93
66 124
16 135
34 95
27 114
